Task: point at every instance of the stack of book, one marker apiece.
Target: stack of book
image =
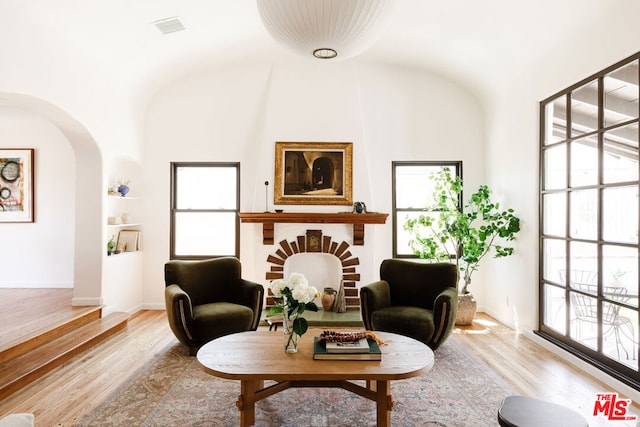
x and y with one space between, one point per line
345 346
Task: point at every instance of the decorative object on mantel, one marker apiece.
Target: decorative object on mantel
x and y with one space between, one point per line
359 207
314 240
471 234
313 173
266 196
123 187
328 298
326 29
293 297
340 305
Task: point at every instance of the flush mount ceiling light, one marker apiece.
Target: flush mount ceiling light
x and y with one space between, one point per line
326 29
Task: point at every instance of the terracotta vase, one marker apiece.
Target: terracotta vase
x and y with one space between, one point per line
328 298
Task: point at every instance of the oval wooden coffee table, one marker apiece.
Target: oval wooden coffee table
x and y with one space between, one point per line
253 357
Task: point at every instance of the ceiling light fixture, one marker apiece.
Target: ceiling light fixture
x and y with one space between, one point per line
326 29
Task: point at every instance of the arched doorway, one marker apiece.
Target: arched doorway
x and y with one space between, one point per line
88 224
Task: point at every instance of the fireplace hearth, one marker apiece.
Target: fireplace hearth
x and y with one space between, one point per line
315 242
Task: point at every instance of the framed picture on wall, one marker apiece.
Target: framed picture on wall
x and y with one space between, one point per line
16 185
313 173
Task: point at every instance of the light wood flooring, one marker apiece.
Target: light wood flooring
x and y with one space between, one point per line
29 312
75 389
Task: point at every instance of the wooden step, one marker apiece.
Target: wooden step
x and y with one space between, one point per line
26 368
50 326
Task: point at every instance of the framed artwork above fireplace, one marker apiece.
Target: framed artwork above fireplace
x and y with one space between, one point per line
313 173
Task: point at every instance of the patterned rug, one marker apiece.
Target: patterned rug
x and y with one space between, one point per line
172 390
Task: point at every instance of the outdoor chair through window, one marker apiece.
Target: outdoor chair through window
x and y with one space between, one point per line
585 308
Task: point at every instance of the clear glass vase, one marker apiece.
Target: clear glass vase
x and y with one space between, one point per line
290 337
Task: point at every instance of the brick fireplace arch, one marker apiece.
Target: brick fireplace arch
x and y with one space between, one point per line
312 242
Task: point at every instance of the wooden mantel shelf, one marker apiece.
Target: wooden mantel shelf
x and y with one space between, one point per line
268 219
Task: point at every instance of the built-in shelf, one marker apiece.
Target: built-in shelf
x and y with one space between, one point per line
118 207
269 219
126 254
122 199
124 225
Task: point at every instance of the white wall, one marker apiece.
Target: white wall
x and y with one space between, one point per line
512 165
96 110
237 114
40 254
513 168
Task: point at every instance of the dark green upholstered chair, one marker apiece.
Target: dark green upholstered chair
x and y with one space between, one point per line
415 299
208 299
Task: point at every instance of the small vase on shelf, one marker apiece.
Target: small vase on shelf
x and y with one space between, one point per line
123 189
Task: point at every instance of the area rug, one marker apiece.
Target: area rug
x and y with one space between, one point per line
172 390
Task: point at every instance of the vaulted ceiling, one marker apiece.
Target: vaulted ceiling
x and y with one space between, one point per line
480 43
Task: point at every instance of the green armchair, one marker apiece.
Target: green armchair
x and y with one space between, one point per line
208 299
415 299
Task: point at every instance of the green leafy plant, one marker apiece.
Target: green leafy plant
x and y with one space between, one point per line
111 244
466 235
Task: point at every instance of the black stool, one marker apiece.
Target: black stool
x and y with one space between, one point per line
523 411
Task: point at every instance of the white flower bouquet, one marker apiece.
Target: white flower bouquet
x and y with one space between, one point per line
293 297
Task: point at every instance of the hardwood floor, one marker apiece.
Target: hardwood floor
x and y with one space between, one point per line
17 308
534 371
67 394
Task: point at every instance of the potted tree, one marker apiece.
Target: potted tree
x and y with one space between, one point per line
465 235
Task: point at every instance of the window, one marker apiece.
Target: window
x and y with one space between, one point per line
412 190
205 201
589 219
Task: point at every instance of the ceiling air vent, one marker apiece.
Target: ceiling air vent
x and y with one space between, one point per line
169 25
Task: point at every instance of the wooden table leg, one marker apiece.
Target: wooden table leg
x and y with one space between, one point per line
384 403
247 402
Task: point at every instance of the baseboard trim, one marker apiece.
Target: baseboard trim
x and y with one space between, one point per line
36 285
153 306
87 301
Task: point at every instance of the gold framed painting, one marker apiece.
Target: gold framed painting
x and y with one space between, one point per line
313 173
16 185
